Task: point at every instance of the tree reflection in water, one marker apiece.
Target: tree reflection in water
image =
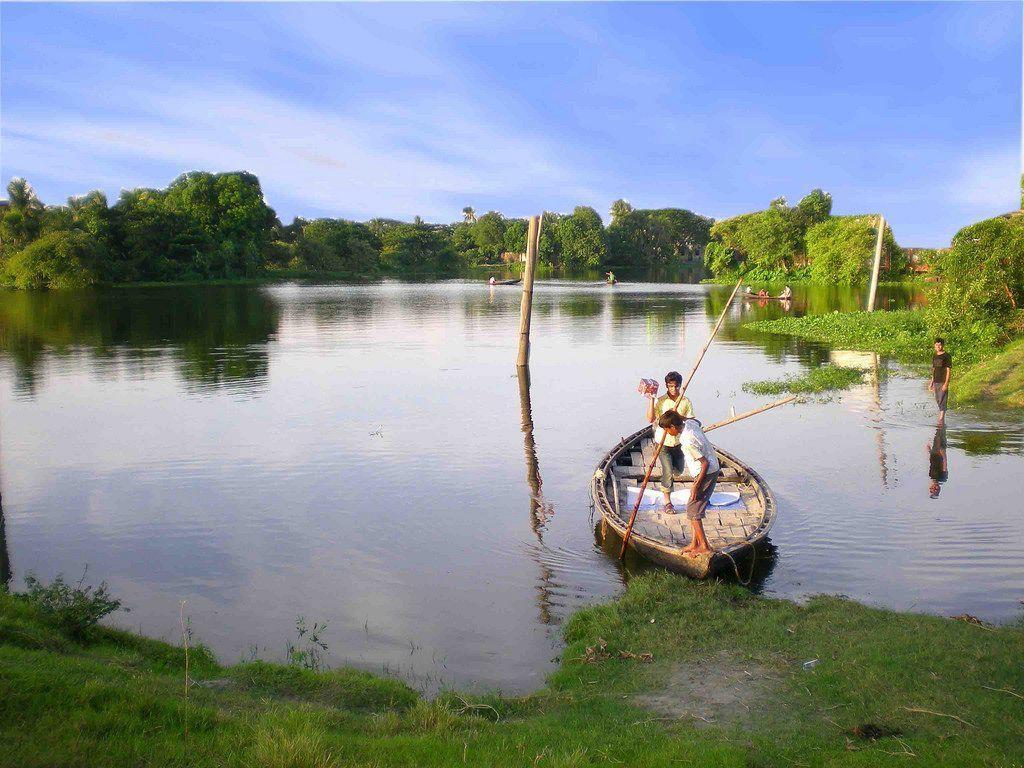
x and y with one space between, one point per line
216 336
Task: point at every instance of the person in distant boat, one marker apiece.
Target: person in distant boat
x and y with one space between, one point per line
787 293
702 462
937 469
491 281
763 294
748 291
942 366
671 456
610 278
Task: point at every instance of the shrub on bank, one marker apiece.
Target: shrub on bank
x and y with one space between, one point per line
979 294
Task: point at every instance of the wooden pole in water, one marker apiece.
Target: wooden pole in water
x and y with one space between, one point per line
526 306
711 338
877 263
748 414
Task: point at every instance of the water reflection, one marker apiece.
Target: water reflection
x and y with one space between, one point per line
215 336
938 469
540 510
5 558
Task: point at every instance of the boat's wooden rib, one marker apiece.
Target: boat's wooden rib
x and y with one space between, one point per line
732 532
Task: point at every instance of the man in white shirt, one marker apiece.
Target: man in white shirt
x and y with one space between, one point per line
702 464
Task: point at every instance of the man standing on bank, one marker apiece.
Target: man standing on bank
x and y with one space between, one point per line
704 467
671 456
942 365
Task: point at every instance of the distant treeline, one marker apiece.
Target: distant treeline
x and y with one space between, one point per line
802 241
208 226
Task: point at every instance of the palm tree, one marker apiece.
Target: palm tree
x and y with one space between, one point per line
469 215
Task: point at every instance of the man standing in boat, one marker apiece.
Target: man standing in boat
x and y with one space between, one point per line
703 464
671 456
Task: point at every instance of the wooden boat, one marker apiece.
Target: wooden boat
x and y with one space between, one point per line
507 282
733 532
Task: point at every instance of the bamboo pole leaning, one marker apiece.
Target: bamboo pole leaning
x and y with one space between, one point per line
748 414
682 389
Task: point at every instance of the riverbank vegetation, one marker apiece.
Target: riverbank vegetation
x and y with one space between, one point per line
826 378
801 242
733 679
207 226
976 303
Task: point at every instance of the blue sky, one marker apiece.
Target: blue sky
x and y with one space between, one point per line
912 110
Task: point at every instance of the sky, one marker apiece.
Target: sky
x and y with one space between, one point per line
397 110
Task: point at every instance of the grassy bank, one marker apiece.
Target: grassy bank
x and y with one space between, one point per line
728 686
981 375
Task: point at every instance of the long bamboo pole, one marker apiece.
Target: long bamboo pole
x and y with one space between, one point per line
748 414
526 305
711 338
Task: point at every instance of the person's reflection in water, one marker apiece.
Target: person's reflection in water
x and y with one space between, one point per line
938 471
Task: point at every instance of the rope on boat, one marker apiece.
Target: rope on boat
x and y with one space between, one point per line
753 560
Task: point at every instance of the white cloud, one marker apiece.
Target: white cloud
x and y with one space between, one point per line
399 158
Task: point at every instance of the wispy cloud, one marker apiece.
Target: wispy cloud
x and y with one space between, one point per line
391 158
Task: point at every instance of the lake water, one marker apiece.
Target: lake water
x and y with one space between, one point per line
356 456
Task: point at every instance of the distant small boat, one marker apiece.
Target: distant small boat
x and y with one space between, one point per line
733 528
507 282
755 297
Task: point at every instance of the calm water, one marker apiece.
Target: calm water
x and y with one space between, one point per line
356 456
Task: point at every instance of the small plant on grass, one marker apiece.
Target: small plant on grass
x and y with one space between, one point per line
308 652
75 609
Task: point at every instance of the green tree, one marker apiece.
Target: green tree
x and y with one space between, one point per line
815 207
489 234
230 210
620 209
335 245
581 239
61 259
514 240
417 249
157 243
22 219
979 294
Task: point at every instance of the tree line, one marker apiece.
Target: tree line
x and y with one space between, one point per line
206 226
804 241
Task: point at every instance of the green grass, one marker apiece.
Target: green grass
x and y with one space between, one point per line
824 379
997 379
117 700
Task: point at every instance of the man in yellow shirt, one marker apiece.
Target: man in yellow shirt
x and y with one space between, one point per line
671 456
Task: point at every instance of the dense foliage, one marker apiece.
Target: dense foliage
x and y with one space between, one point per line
208 226
799 241
72 608
979 296
653 238
840 250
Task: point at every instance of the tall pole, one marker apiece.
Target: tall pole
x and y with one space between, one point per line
878 261
526 306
